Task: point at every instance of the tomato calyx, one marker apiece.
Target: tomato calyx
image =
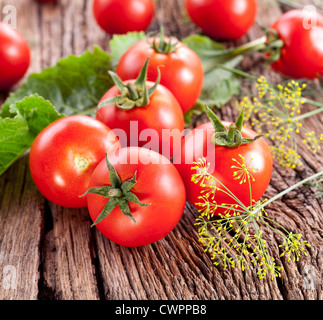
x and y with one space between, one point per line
163 45
273 45
132 95
231 137
119 194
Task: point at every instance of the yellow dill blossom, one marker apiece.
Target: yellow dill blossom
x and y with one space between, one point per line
276 112
243 170
235 238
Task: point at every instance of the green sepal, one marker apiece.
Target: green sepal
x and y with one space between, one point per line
114 177
231 138
128 184
163 47
110 205
133 198
119 194
132 95
124 207
100 191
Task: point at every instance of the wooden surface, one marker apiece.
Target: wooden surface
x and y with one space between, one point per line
52 253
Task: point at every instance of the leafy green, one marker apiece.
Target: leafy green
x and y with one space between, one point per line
17 132
73 86
76 84
220 85
119 44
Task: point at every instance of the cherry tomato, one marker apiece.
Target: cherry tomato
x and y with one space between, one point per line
159 188
14 56
151 126
181 68
302 53
223 19
115 16
64 155
256 155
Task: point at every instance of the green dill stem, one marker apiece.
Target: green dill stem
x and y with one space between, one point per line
250 191
238 72
228 192
276 223
230 208
262 250
310 113
312 102
290 189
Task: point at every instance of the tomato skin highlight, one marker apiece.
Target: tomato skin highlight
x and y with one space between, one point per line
198 144
64 155
14 56
120 17
302 53
181 71
223 19
158 184
163 112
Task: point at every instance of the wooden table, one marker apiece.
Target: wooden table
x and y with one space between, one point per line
54 254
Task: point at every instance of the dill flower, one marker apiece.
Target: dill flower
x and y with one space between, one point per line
235 238
276 111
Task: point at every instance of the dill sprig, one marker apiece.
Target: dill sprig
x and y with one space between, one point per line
276 112
234 237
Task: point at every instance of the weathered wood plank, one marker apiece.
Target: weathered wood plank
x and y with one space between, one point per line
55 253
21 220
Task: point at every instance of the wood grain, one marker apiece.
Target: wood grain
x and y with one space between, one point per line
56 255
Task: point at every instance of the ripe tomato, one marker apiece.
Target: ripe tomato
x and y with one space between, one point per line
154 182
156 124
198 144
223 19
115 16
14 56
302 53
64 155
181 68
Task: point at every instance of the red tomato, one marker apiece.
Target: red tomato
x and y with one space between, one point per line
223 19
64 155
14 56
302 53
198 144
115 16
150 126
181 70
158 184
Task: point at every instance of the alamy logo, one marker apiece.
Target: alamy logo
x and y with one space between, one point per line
310 17
309 281
8 276
9 16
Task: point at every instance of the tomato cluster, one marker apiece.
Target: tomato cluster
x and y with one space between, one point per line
132 165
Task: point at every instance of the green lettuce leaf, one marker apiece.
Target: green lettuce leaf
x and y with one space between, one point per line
74 85
18 131
120 43
220 85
